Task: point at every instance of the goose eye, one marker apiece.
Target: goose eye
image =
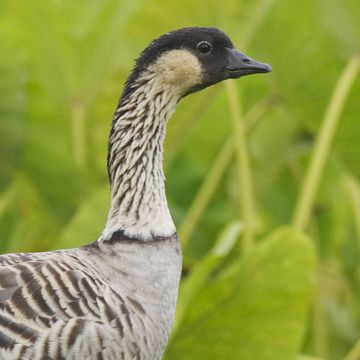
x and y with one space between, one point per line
204 47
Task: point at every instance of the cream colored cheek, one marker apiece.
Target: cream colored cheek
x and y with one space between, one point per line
179 68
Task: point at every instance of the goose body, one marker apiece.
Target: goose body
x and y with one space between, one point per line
116 298
96 302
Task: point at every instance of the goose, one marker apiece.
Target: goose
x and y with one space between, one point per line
115 298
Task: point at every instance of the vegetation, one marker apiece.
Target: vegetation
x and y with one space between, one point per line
262 173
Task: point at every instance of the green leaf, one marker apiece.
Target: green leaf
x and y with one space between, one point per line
256 312
88 221
198 278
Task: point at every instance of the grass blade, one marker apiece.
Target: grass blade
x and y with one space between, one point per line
245 177
323 142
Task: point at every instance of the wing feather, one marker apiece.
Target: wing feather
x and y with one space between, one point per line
49 306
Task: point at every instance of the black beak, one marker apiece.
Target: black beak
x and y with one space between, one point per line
240 64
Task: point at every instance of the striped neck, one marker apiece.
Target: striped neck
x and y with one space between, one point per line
138 202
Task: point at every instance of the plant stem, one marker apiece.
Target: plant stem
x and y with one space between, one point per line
323 142
353 190
354 353
258 13
6 197
206 191
216 172
307 357
244 172
178 131
78 133
320 339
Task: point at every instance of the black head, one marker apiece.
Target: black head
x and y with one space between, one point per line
196 49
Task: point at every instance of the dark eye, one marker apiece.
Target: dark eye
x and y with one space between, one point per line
204 47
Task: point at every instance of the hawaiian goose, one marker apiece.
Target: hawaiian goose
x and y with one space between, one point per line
115 298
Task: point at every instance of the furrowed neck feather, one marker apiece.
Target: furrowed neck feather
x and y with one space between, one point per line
138 202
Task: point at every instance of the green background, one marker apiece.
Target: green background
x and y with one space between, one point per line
264 277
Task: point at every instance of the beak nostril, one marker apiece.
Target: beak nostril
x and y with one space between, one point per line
247 61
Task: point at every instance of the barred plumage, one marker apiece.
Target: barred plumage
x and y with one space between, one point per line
61 304
115 298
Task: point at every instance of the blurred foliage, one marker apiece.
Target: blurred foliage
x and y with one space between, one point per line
62 66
